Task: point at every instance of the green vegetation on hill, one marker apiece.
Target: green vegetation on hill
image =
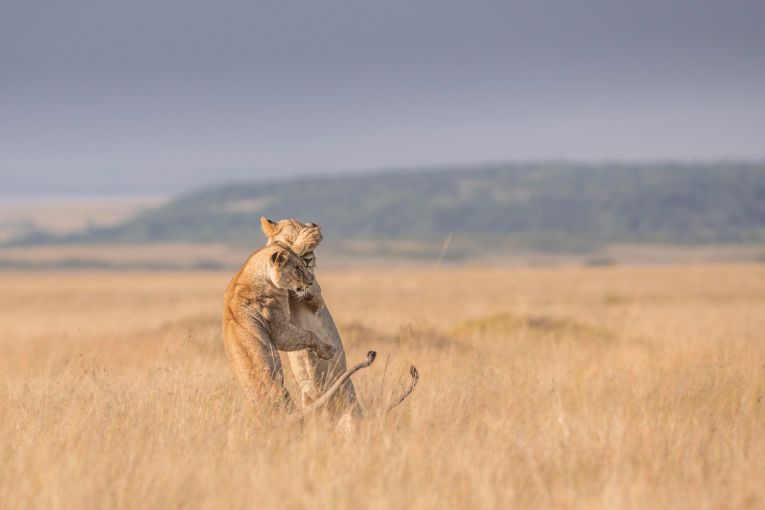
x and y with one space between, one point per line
553 206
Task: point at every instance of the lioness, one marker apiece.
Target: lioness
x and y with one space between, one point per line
312 373
256 319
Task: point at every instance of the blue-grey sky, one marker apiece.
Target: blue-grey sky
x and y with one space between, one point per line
163 95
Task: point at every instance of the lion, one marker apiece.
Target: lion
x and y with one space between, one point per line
312 373
256 320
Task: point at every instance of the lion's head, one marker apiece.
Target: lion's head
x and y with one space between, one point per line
303 238
286 270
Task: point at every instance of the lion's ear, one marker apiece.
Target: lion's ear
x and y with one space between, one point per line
268 226
279 258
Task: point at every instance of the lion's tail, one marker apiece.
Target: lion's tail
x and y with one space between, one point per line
409 389
319 402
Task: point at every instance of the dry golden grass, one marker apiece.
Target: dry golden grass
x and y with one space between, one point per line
540 388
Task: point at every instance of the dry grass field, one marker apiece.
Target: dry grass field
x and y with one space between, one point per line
610 387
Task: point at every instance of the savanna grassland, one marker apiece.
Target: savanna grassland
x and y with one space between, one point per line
610 387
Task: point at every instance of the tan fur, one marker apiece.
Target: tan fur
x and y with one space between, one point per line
256 322
313 374
302 237
324 382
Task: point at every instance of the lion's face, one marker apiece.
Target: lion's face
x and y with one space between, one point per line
289 272
301 237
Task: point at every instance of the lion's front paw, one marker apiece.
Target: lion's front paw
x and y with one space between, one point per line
307 240
326 351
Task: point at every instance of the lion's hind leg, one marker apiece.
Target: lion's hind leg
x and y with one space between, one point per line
258 369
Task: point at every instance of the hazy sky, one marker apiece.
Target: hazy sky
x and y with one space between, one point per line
159 96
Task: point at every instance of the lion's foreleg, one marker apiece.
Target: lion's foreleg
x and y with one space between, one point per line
289 337
257 368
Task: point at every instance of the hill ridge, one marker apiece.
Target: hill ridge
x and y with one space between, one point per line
558 203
